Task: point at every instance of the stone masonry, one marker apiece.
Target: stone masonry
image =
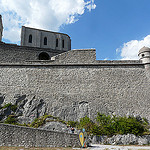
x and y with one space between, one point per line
73 83
18 136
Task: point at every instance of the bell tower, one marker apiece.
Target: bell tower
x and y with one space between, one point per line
1 28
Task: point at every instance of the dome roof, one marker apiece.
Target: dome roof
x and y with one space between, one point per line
144 49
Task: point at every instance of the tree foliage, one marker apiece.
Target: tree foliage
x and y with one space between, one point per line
111 125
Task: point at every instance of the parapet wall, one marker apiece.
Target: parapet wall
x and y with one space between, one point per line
11 135
11 53
78 56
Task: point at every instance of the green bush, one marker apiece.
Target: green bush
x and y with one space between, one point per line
42 120
124 125
11 119
73 123
87 124
38 122
7 105
13 107
111 125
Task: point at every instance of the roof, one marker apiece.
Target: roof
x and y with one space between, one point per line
144 49
46 31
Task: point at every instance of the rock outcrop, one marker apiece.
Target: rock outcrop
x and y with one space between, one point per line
128 139
28 107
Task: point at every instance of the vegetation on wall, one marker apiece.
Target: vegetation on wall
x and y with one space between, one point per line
102 124
12 107
112 125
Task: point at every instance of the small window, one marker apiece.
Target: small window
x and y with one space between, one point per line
56 42
143 55
63 43
44 56
30 38
45 41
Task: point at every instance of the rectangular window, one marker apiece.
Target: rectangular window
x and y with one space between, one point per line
56 42
63 43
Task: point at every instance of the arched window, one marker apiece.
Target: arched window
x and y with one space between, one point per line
63 43
44 56
45 41
30 38
56 42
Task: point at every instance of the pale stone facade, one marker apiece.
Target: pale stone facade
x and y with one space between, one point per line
45 39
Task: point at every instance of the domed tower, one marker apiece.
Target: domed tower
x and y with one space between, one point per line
1 28
144 55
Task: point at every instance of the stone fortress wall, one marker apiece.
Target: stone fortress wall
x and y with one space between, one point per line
31 137
12 53
73 83
73 89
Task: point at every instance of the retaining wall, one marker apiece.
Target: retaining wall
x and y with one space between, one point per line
11 135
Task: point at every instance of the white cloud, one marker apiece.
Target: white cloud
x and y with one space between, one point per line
130 49
45 14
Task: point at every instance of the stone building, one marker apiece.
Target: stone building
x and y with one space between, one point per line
45 39
71 83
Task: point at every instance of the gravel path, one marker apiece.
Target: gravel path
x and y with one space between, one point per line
113 147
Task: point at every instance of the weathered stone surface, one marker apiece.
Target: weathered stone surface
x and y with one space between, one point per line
30 137
128 139
29 107
4 113
98 139
56 126
71 92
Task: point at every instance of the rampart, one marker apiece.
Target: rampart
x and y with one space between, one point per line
12 53
72 91
11 135
74 84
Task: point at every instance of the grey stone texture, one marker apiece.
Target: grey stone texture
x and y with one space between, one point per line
128 139
73 84
1 28
72 91
51 37
56 126
11 135
12 53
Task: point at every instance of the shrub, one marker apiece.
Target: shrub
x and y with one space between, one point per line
73 123
87 124
42 120
11 119
13 107
7 105
120 125
111 125
124 125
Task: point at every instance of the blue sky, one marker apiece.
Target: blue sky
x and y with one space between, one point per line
117 29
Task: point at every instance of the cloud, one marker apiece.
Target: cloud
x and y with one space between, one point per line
130 49
45 14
